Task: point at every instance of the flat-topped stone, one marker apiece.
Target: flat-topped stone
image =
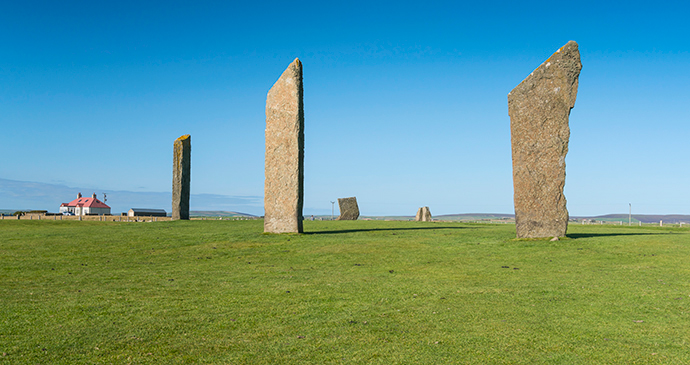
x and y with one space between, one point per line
284 168
423 215
349 210
182 162
539 109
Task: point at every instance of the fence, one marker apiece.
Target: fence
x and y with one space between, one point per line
97 218
111 218
224 218
638 223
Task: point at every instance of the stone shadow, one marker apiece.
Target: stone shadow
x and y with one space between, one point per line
590 235
386 229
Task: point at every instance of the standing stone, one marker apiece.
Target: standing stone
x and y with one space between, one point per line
349 211
423 215
539 109
182 162
284 175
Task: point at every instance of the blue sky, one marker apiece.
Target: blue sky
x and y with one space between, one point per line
405 102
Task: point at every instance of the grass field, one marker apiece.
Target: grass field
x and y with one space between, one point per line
221 292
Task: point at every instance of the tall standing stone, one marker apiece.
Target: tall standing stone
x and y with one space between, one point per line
539 108
182 162
349 210
284 184
423 215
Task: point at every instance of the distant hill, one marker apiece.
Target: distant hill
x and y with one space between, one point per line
218 213
474 216
445 217
27 195
608 218
386 217
644 218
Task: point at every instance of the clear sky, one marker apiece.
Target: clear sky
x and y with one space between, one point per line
405 102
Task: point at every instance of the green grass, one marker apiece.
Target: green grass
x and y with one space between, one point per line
221 292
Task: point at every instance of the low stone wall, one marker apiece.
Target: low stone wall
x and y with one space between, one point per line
225 218
97 218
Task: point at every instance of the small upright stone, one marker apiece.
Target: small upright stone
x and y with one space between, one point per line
349 211
423 215
182 162
539 108
284 174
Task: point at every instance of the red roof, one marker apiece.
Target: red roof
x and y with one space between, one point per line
86 202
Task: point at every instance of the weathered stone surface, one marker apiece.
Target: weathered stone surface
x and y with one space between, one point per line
284 175
539 108
182 163
423 215
349 211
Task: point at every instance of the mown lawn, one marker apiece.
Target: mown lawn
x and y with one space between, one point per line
221 292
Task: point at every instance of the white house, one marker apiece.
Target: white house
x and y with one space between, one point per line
85 206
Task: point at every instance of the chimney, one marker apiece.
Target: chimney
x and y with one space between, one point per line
78 195
94 195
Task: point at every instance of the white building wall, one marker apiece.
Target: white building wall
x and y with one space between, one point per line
99 211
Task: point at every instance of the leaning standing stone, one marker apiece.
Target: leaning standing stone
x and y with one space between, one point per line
284 184
539 108
349 211
182 161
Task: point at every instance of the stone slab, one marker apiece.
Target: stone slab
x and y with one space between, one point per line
423 215
284 168
539 109
182 163
349 210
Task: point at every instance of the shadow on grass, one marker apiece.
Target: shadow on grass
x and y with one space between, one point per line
385 229
589 235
